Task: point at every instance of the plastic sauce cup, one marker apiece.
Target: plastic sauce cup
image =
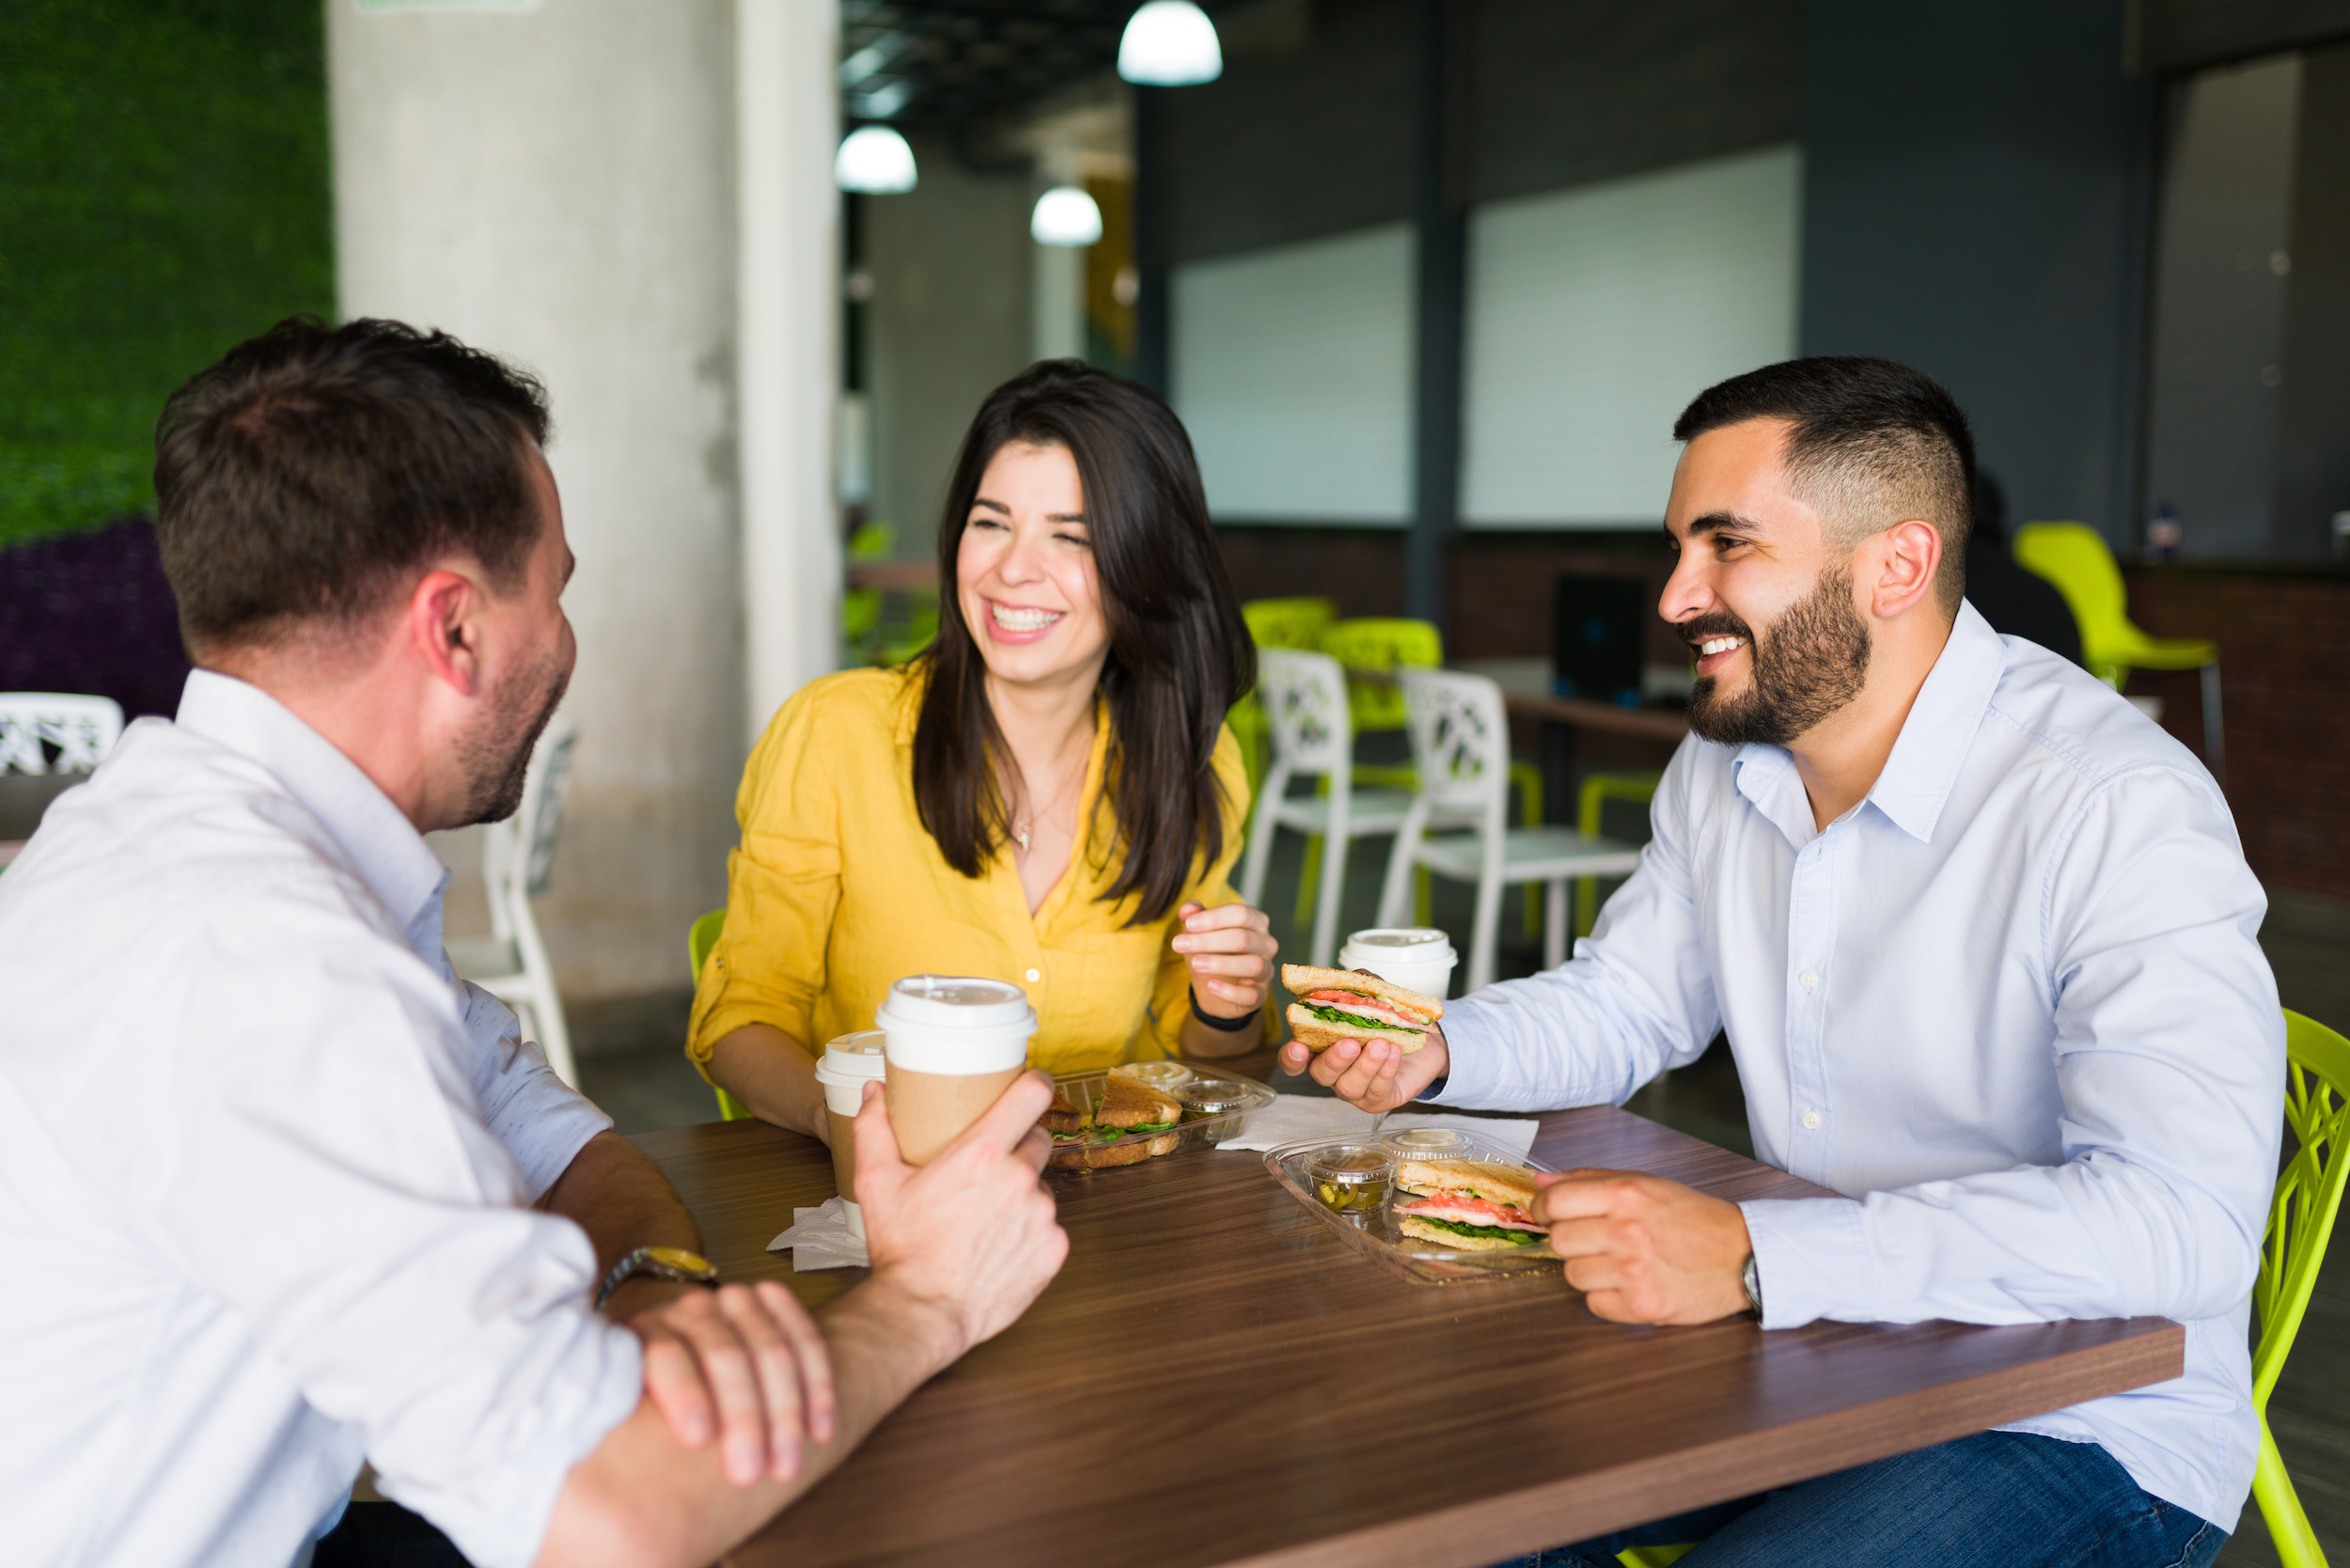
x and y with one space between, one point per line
953 1044
848 1064
1417 957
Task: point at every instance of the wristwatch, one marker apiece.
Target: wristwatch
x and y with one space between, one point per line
1751 1277
661 1262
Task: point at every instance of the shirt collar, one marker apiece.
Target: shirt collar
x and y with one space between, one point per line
1940 728
1916 778
378 839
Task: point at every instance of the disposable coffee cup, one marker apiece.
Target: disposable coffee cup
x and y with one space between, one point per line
953 1044
1417 957
848 1064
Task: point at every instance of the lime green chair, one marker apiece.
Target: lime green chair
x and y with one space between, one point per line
2300 1221
1599 788
2074 557
699 939
1272 623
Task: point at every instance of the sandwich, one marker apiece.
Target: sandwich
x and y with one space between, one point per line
1128 1107
1475 1205
1354 1004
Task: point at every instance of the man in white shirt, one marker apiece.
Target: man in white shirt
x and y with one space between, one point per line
1982 941
281 1194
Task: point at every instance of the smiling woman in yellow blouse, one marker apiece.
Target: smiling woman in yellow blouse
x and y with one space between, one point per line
1048 796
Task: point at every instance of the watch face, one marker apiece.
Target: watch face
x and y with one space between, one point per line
680 1260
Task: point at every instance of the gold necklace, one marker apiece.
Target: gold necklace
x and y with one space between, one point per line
1021 825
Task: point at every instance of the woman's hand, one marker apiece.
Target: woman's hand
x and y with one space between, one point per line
1231 951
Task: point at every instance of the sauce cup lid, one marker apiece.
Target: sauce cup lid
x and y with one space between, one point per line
1428 1143
1163 1076
1350 1163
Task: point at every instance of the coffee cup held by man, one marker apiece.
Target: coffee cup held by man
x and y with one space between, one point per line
1982 939
287 1197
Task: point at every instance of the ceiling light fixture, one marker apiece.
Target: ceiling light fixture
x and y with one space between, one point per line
1065 215
1170 43
875 160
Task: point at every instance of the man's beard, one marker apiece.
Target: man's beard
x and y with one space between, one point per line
1813 660
496 754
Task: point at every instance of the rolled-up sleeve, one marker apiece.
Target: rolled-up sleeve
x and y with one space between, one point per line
543 1122
783 886
330 1179
2169 1062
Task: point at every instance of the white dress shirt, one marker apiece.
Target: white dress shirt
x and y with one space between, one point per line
2010 1005
265 1174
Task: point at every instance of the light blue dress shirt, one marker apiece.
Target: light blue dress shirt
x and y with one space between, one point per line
2012 1006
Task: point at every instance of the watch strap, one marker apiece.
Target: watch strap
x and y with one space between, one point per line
658 1262
1751 1277
1225 1026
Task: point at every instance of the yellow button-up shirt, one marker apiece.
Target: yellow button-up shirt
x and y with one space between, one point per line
837 891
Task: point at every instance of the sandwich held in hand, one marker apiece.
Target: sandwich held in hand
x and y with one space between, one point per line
1476 1205
1350 1004
1128 1107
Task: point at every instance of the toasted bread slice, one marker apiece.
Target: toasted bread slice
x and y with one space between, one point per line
1067 1113
1130 1102
1512 1185
1412 1225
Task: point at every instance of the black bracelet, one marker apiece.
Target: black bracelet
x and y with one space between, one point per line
1222 1025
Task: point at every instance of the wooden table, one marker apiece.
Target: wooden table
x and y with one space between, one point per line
1214 1379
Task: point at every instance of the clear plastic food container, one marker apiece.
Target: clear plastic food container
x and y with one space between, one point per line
1216 1107
1298 1168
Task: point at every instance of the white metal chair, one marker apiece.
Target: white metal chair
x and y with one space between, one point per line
510 963
83 729
1305 703
1461 745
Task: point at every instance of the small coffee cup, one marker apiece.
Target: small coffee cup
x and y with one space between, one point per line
848 1064
953 1045
1418 956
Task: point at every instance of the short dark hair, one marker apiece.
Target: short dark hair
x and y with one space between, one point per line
302 478
1180 653
1873 443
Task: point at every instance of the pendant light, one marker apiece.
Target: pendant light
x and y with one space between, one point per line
1170 43
875 160
1065 215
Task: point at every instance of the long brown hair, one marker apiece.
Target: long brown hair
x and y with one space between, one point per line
1180 654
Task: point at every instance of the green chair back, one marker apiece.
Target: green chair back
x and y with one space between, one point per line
2300 1221
2074 557
1378 645
699 939
1289 622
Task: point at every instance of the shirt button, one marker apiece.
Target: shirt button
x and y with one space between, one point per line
1811 1121
1035 975
1808 980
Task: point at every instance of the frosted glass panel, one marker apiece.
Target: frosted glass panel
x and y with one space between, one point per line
1596 315
1292 368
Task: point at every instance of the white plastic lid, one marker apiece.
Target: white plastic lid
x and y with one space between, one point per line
956 1025
854 1057
1417 942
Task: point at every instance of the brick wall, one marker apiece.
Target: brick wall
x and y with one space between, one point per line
2281 633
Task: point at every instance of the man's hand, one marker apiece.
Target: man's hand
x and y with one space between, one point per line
1644 1249
743 1363
1374 1076
973 1235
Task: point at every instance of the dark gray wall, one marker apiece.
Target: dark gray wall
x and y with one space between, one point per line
1976 194
2313 423
1310 131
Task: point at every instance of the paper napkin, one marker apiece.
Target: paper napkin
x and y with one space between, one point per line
821 1238
1291 1117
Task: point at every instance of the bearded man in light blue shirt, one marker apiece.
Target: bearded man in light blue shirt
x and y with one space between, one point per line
1982 941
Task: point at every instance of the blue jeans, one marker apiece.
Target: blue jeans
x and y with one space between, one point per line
1997 1499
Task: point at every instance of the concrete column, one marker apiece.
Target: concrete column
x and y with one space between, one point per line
788 342
560 186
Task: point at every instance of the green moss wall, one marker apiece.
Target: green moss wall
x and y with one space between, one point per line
165 191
